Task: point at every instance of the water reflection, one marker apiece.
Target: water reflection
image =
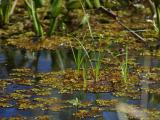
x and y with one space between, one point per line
41 61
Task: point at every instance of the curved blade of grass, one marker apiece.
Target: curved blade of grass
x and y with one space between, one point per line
89 26
98 65
54 23
158 19
56 7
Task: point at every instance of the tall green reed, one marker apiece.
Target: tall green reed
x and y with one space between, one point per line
81 54
83 60
98 61
78 58
32 10
124 67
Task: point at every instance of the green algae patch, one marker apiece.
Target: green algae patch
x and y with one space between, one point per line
38 95
104 35
93 112
15 118
107 103
5 104
52 43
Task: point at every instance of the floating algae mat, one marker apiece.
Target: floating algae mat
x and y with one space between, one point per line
39 91
72 60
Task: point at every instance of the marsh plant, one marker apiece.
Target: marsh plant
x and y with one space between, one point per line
98 60
6 9
85 20
78 58
98 56
157 21
85 69
60 8
75 102
82 53
56 9
32 10
124 67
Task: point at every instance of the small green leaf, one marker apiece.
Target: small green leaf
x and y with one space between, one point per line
85 19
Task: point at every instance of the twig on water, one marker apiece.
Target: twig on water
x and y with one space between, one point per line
115 17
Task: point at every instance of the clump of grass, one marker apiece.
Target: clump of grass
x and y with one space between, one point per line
98 58
6 9
124 67
32 10
78 58
82 54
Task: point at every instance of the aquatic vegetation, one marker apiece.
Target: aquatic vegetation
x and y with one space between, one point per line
57 107
4 84
75 102
56 10
5 104
31 6
85 68
17 95
98 60
86 20
15 118
124 67
79 58
44 117
69 82
107 103
41 92
27 104
93 112
6 9
106 72
130 92
152 90
157 7
48 44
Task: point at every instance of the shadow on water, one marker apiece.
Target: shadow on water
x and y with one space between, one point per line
44 61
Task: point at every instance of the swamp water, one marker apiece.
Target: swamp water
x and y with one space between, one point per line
33 100
47 85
